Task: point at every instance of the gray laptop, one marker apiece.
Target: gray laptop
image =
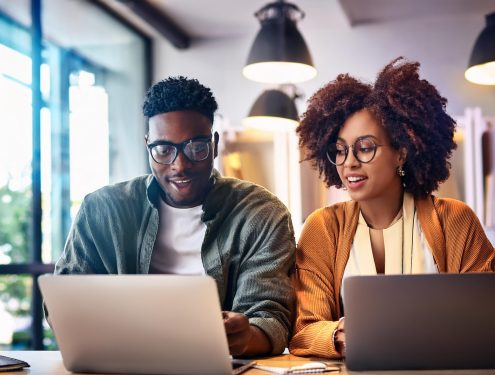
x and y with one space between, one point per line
139 324
407 322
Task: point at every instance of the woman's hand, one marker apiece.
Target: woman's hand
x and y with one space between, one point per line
339 338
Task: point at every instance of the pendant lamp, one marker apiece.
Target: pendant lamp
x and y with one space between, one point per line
279 53
481 68
274 110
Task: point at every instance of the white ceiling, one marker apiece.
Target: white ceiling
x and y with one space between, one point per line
374 11
205 19
224 18
214 19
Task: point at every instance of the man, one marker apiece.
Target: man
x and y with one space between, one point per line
187 219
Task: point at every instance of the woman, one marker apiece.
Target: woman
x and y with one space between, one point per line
388 145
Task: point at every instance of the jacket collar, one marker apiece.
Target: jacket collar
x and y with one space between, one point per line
216 198
152 191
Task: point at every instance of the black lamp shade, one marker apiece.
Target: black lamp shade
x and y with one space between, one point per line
481 68
274 103
279 53
279 40
272 110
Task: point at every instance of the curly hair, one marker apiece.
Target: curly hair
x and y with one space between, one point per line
409 108
179 94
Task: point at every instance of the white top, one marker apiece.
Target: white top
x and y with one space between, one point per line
406 249
177 248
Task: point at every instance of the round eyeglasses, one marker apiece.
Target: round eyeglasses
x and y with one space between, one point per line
164 152
364 150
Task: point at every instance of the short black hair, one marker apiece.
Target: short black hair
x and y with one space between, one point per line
179 94
410 109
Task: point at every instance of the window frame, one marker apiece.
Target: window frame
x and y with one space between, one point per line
34 266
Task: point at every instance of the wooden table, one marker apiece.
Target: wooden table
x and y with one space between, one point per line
50 363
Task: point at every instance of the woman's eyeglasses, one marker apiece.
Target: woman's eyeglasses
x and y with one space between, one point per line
364 150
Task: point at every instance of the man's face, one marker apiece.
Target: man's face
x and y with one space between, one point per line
184 182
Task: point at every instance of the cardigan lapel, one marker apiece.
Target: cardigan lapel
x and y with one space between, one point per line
433 230
347 229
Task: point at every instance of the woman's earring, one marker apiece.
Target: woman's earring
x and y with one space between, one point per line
400 171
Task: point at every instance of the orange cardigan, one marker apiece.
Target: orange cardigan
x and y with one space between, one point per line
452 230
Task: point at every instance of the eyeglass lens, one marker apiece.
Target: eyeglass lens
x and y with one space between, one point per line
364 150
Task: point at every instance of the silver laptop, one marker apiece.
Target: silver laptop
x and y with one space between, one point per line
407 322
140 324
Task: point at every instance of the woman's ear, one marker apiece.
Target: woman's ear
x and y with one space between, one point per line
403 155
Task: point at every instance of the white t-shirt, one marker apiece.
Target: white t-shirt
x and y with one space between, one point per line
177 248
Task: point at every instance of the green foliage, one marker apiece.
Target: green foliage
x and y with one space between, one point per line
14 229
14 224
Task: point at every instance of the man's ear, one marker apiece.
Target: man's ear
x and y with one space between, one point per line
216 137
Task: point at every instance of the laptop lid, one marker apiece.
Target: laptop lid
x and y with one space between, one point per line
140 324
402 322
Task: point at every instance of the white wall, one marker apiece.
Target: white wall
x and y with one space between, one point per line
215 63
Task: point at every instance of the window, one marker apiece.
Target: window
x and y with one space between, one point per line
89 115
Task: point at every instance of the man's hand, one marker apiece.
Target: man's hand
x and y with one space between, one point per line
243 338
238 331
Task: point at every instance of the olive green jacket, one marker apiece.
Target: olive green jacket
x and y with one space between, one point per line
248 247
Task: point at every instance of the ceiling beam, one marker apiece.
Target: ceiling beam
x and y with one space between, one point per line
161 22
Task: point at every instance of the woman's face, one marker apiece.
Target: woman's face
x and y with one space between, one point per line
377 178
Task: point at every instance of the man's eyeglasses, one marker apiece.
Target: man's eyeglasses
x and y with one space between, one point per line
164 152
364 150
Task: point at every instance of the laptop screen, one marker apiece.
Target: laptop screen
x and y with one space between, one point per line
141 324
434 321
